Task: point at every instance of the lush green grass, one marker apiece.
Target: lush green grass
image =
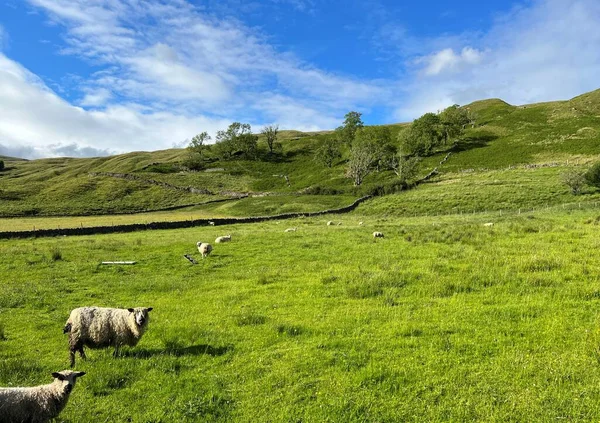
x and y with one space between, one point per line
263 206
443 320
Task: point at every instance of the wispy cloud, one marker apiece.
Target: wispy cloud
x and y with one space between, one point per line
546 51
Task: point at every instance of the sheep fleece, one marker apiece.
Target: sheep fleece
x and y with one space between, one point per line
37 404
98 327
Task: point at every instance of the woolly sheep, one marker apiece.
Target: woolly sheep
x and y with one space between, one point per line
38 404
221 239
291 230
360 223
211 223
204 248
377 234
489 224
330 223
97 327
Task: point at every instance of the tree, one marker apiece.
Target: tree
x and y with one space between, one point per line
196 149
379 140
328 152
453 121
592 176
405 168
574 180
347 131
270 133
238 138
364 153
422 136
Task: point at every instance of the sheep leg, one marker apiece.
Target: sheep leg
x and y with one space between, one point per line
116 351
72 357
82 353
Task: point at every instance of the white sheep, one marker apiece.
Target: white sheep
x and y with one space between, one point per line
221 239
291 230
204 248
377 235
339 223
488 224
211 223
360 223
330 223
38 404
97 327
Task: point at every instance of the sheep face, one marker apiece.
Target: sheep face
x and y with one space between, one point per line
68 378
141 314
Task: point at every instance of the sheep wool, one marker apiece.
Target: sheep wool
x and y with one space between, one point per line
38 404
97 327
377 234
221 239
204 248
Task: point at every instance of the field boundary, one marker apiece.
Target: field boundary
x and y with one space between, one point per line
133 227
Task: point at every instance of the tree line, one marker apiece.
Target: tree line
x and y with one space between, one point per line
367 148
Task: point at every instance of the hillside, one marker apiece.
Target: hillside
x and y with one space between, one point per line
513 157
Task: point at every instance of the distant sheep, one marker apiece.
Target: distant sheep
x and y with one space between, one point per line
330 223
377 235
211 223
339 223
97 327
221 239
204 248
38 404
291 230
360 223
488 224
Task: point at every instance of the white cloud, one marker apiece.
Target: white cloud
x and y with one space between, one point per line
35 122
447 60
547 51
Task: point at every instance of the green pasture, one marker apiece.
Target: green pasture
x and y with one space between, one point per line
443 320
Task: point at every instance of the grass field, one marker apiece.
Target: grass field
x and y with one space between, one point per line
443 320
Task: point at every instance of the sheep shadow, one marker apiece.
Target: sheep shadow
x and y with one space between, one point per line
197 350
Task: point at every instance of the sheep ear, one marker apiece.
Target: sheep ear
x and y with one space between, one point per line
58 376
130 310
79 374
149 308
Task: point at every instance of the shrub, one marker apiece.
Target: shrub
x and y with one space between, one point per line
574 180
592 176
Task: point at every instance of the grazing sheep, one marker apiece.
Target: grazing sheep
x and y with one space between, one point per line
97 327
204 248
339 223
489 224
330 223
291 230
377 235
211 223
38 404
360 223
221 239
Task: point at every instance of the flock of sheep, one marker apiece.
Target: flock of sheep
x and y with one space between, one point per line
92 327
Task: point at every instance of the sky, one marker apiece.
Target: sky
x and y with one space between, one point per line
85 78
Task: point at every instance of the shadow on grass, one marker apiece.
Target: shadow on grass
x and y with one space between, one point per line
201 349
479 140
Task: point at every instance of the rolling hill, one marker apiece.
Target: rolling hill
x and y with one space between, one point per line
511 158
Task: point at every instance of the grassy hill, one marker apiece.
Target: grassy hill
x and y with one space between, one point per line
513 157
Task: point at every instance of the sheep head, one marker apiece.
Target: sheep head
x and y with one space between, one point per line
140 314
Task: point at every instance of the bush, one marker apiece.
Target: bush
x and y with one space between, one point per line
592 176
574 180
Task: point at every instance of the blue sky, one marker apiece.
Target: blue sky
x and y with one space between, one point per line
93 77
